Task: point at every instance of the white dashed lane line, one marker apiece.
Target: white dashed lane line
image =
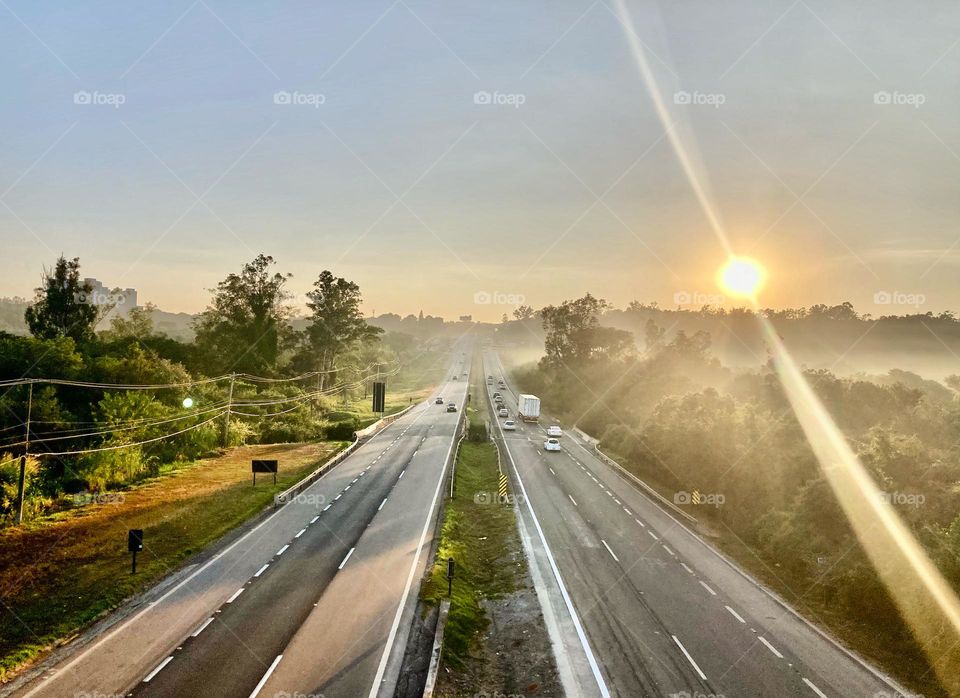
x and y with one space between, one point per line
770 647
609 550
300 532
314 519
235 595
261 570
640 522
382 503
684 566
704 585
653 535
203 626
159 668
282 550
327 507
574 501
735 614
689 658
346 558
814 688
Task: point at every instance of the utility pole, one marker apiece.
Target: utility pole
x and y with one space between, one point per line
23 458
224 438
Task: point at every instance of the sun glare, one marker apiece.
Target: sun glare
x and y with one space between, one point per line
742 277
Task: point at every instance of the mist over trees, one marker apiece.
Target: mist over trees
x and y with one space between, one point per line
670 411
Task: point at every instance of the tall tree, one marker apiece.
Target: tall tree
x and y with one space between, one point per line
62 307
574 334
336 324
246 325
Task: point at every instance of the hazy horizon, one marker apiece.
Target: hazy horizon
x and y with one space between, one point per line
828 135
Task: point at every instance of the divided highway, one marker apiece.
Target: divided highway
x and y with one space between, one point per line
663 613
316 599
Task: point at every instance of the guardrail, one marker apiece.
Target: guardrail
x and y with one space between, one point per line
462 425
359 437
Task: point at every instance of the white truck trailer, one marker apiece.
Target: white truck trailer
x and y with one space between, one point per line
528 407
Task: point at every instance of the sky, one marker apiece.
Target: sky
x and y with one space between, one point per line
461 158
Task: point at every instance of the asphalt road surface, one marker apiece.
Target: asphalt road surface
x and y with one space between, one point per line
662 612
316 599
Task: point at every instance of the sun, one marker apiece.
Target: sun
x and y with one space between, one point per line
742 277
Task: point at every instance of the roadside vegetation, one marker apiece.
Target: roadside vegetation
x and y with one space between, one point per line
678 418
60 574
480 534
97 426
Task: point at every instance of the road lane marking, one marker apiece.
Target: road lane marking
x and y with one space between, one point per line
735 614
770 647
574 501
551 470
346 558
609 550
235 595
814 688
314 519
684 566
327 507
338 496
401 474
282 550
382 503
704 585
263 681
689 658
207 622
355 480
300 533
262 570
640 522
653 535
158 669
347 488
669 551
629 513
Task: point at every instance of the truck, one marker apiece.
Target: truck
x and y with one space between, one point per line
528 407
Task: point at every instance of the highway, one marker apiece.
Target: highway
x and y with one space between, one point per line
316 599
662 612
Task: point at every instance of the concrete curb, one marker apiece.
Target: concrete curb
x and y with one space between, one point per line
437 650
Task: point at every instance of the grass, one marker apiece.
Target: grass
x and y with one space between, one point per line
60 573
481 536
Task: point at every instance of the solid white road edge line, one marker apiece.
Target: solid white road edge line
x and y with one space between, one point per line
689 658
263 681
382 503
392 636
591 659
158 669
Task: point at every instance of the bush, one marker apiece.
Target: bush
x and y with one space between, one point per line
477 431
342 430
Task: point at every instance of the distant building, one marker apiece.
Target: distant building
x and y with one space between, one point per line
466 318
123 300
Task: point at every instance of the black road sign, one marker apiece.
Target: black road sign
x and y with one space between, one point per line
379 397
264 466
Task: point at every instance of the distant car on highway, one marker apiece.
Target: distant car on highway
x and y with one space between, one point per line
502 412
454 378
554 430
496 395
510 425
439 400
451 407
552 445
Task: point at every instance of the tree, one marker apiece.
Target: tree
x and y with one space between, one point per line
247 323
571 330
336 324
653 334
523 312
138 324
62 306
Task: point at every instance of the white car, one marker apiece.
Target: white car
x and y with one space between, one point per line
552 445
509 425
554 430
503 412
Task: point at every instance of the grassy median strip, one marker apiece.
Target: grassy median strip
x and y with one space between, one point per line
59 573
